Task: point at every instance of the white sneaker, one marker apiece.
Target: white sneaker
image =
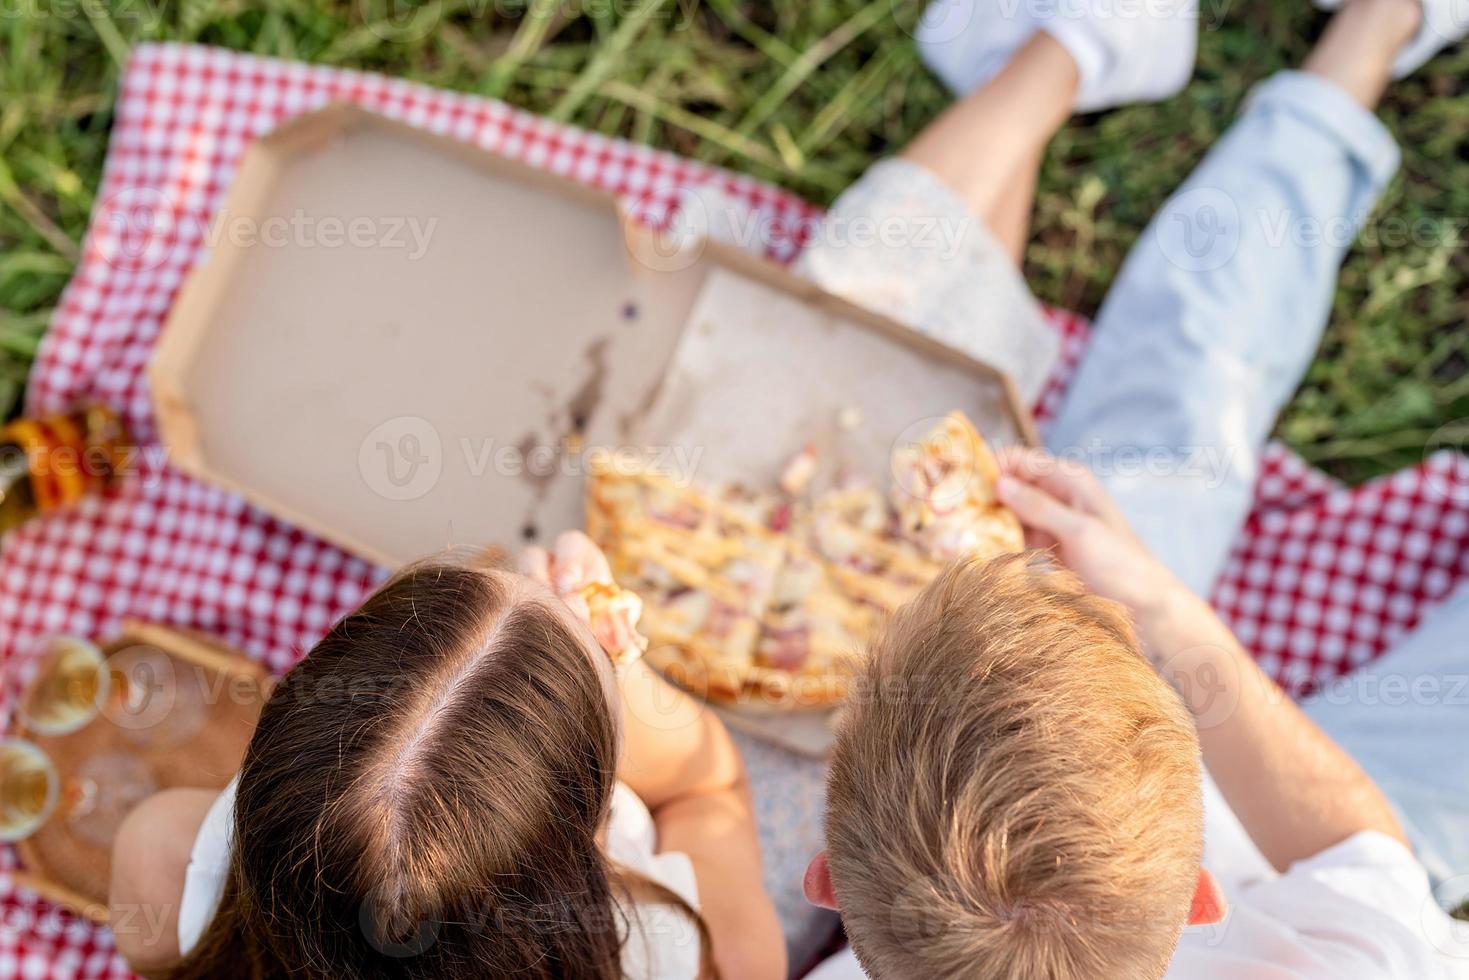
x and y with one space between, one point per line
1125 51
966 42
1444 22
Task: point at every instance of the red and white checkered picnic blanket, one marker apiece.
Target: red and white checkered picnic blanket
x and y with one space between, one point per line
1323 578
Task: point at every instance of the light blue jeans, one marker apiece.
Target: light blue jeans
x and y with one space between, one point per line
1207 331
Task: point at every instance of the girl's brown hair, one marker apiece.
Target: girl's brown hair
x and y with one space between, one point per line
424 796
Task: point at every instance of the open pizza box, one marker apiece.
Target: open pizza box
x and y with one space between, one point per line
403 342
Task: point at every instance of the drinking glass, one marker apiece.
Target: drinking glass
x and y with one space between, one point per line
29 789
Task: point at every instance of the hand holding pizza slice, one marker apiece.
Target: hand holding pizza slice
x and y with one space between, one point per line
578 572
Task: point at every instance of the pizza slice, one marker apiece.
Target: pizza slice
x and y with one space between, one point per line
769 598
614 613
945 494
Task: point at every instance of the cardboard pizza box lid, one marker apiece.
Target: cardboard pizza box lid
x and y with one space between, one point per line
403 342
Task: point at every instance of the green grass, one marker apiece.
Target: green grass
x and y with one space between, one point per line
805 94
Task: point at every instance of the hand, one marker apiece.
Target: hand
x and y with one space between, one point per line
1063 507
576 563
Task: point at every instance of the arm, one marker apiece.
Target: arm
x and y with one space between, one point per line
150 856
678 757
680 761
1294 789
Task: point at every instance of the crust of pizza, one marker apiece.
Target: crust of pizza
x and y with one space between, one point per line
766 601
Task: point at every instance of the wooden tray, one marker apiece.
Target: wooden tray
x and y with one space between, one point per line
72 871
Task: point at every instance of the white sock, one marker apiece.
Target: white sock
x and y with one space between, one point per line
1444 22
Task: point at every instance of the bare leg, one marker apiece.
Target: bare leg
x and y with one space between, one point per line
969 179
1359 45
987 147
1009 219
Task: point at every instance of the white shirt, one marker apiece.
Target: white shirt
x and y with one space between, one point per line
1361 910
663 945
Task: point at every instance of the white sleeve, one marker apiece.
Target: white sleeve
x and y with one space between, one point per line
209 863
661 943
838 966
1370 868
1380 874
1361 909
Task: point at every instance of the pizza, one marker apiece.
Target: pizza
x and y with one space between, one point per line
613 613
944 494
768 598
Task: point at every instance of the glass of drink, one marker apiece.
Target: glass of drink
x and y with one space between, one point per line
103 791
29 789
64 685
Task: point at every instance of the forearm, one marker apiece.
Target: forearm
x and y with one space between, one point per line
673 746
717 832
1295 790
680 760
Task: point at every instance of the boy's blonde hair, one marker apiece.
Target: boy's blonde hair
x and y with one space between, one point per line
1015 792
